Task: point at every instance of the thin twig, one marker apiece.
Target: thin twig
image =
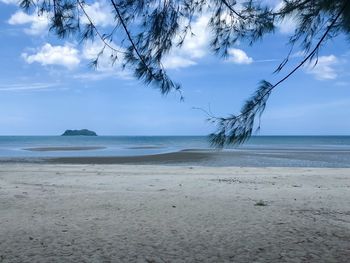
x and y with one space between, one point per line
299 65
130 38
96 30
232 9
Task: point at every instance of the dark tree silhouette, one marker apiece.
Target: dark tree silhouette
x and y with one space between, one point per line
145 31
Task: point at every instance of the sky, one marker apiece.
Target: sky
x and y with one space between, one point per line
47 85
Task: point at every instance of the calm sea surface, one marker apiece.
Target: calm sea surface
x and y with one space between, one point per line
16 146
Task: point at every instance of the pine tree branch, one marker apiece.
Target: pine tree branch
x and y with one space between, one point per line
240 126
232 9
97 31
310 55
292 9
130 38
159 77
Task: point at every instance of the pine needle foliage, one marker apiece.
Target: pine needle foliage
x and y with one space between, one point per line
146 31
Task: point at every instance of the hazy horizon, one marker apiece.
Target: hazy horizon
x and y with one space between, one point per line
185 135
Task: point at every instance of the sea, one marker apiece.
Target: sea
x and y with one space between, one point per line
324 151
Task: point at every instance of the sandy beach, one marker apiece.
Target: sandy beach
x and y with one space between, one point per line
158 213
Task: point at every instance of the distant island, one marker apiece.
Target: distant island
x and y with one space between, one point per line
83 132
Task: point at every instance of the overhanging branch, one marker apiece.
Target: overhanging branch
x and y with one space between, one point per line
96 30
237 128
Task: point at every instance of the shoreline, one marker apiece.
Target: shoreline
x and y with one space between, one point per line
214 158
64 148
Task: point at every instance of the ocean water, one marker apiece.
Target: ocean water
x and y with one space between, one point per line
17 146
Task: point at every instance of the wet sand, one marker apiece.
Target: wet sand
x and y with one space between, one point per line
327 158
171 158
157 213
239 158
64 148
144 147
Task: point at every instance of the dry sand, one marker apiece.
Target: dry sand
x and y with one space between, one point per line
121 213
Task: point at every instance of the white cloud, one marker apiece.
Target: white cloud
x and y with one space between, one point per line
324 68
70 57
66 56
10 2
238 56
105 68
27 87
98 75
37 24
287 26
100 14
91 50
193 48
174 61
197 46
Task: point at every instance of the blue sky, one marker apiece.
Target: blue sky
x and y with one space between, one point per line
47 85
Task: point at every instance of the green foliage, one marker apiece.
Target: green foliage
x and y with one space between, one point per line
83 132
145 31
236 129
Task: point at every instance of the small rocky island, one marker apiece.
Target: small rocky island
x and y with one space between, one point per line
83 132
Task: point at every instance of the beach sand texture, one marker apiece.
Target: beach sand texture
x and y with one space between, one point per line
154 213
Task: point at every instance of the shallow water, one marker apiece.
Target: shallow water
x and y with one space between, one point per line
15 146
318 151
